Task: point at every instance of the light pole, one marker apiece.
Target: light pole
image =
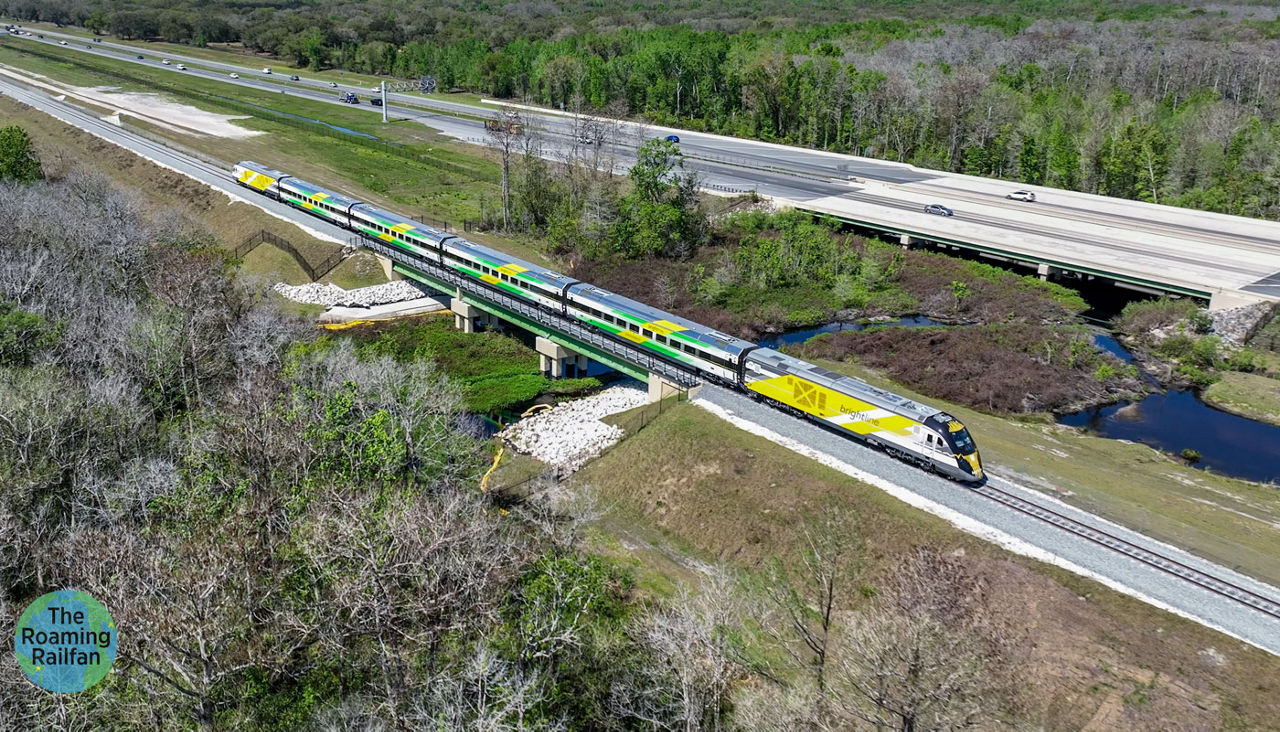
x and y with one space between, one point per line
384 101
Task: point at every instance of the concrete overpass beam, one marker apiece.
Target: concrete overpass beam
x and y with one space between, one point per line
465 316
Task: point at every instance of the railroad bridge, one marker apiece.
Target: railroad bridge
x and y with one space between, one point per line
562 342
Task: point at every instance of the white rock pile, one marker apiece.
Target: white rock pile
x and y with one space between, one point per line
571 433
316 293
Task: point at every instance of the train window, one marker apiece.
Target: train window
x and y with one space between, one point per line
634 328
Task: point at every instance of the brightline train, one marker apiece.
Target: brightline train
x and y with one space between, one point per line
906 429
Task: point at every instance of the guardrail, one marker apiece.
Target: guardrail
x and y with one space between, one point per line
568 327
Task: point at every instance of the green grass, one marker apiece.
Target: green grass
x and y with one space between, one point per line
1251 395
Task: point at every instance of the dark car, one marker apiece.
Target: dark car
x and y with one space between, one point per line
139 57
294 78
376 101
938 209
672 138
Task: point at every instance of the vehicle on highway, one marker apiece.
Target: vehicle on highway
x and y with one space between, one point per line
585 140
348 98
97 40
294 78
672 138
182 67
908 430
39 35
376 101
62 43
139 57
234 75
938 209
333 85
165 62
266 70
1027 196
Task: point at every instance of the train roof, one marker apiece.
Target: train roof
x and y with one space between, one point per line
858 388
648 314
391 220
270 172
496 259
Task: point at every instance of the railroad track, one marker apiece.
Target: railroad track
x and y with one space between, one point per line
1165 564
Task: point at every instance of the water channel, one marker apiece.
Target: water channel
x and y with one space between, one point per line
1171 421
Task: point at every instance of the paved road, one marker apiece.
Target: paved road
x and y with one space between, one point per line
1032 536
1233 259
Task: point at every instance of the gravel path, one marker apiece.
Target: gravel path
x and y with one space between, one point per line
316 293
571 433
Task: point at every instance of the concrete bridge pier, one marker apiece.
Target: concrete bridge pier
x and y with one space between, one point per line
906 240
660 388
553 357
465 317
1045 271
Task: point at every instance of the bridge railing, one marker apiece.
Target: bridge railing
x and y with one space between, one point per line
553 321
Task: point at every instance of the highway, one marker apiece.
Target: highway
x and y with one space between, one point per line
1228 259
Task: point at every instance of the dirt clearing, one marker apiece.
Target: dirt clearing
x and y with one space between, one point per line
151 108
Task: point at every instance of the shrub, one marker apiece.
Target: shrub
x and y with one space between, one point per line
1191 456
1105 371
1200 321
1140 318
1196 376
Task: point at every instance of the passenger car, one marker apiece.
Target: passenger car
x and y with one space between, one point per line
294 77
938 209
672 138
234 75
1027 196
902 427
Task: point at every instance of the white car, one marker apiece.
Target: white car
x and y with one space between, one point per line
62 43
182 67
266 71
165 62
234 75
1026 196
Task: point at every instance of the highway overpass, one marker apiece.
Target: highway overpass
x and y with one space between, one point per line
1226 260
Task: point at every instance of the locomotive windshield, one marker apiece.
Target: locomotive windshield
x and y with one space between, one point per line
962 442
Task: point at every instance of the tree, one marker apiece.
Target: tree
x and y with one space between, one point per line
504 131
18 160
660 216
929 653
804 596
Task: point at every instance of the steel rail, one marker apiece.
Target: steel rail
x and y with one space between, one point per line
1165 564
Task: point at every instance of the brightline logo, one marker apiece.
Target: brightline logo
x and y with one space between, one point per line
65 641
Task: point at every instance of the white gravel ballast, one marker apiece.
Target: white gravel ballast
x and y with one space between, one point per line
316 293
571 433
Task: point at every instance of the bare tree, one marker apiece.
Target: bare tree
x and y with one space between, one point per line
929 654
504 131
804 596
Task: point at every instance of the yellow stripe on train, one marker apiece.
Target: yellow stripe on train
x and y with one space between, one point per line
828 403
256 180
